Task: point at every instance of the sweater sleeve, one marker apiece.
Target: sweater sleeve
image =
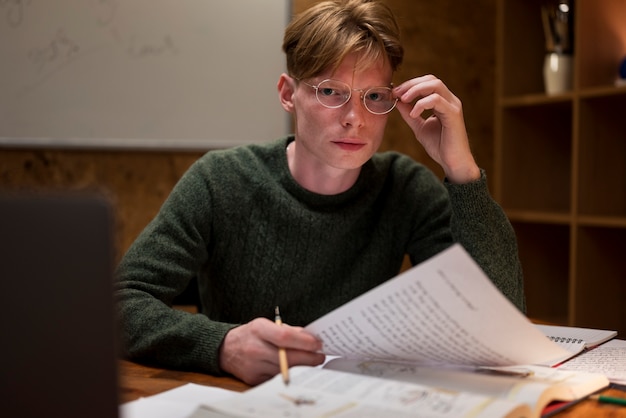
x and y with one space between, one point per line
482 227
159 264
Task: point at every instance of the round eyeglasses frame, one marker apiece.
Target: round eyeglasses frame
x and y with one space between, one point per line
346 97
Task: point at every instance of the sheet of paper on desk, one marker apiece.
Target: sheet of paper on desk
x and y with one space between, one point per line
608 359
180 402
156 408
445 310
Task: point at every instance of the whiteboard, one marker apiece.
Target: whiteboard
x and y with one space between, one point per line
164 74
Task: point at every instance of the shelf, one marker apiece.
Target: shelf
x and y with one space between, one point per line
600 41
602 162
544 254
538 217
552 218
560 163
537 162
603 91
600 44
535 100
538 99
602 221
600 281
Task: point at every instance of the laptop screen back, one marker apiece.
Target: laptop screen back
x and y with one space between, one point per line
58 355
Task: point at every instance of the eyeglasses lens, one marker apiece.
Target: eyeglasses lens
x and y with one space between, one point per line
333 94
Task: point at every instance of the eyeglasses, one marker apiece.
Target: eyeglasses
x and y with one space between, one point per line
333 94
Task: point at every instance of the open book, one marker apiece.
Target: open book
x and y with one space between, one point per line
434 341
534 386
316 392
373 389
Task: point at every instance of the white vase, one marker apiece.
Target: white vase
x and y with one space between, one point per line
557 73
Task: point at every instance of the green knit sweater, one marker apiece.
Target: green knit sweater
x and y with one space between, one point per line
255 239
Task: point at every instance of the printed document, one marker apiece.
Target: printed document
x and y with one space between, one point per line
443 311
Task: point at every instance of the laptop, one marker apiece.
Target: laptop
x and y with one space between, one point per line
58 350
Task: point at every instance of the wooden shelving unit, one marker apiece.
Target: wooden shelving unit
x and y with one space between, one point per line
560 164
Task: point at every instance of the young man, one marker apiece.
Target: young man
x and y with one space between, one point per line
310 221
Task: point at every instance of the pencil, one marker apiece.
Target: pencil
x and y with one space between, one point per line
282 354
609 399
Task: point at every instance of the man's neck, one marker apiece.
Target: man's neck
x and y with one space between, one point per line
320 179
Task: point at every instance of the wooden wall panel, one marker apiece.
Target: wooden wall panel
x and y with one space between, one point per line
136 182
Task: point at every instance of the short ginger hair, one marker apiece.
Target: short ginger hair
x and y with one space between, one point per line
323 35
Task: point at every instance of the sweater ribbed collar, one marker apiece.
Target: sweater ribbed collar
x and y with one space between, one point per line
312 199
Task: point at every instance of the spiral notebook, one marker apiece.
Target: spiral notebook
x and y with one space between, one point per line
589 336
575 339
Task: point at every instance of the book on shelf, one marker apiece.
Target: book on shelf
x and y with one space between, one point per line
437 340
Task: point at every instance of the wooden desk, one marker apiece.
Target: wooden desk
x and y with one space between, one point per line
138 381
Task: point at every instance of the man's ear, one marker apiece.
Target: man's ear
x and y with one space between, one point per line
286 88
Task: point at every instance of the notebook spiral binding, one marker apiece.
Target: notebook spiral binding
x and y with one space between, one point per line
566 340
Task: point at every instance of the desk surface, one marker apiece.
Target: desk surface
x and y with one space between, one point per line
138 381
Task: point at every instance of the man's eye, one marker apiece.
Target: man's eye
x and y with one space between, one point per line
379 96
374 97
327 91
